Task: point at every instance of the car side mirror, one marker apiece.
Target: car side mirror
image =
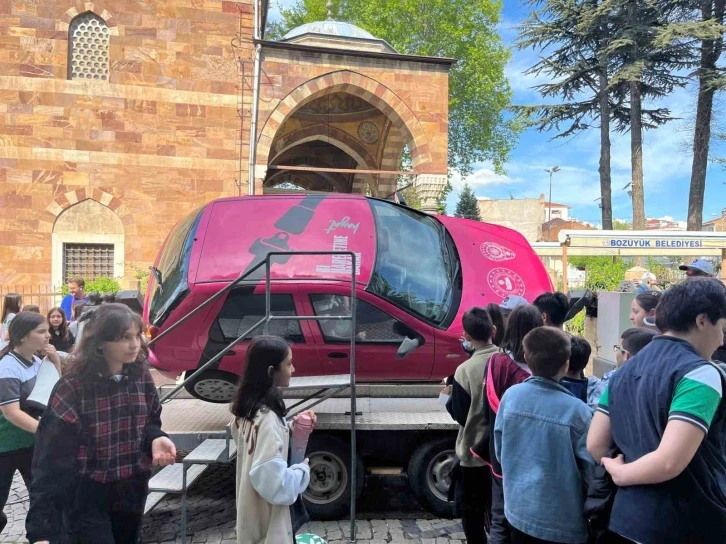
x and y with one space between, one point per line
408 346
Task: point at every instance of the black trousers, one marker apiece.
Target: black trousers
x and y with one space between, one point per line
499 532
11 461
472 499
107 513
518 537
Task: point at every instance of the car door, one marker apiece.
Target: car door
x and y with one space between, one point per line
380 329
245 306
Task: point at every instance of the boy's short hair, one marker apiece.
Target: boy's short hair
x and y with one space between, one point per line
683 303
80 282
546 351
580 351
636 338
555 305
31 308
478 324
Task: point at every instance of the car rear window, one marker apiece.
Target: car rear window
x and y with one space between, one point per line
174 268
243 309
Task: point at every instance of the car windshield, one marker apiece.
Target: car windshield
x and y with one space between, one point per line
416 263
173 268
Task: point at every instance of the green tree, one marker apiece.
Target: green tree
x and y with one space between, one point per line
621 225
651 58
602 273
467 31
573 36
710 79
467 206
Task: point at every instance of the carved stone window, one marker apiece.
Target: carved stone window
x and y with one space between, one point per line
88 48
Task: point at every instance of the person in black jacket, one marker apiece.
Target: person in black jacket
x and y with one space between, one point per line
60 337
98 439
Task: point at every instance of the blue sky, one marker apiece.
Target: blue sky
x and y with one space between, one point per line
667 157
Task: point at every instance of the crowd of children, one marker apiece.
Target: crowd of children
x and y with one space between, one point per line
536 466
545 455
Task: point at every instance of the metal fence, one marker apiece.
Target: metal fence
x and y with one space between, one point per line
43 296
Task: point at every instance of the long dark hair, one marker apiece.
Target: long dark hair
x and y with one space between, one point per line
257 388
495 312
648 300
21 326
108 323
522 320
11 305
63 328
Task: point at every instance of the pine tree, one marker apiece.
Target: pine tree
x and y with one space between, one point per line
652 59
710 80
573 36
467 207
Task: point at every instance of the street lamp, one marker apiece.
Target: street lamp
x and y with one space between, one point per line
550 171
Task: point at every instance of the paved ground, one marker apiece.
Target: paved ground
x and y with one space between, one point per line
388 514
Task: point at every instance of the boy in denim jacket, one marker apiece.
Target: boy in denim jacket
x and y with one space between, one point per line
540 440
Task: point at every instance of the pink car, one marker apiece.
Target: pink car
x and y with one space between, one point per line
416 276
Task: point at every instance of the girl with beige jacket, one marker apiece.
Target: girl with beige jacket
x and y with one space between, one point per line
266 486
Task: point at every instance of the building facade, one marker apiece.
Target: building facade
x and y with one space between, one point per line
119 117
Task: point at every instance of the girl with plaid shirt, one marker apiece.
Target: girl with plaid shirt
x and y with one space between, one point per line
98 439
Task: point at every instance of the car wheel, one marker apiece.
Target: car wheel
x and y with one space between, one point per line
428 475
328 495
213 386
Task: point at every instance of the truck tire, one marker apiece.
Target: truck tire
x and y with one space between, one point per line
328 495
428 475
215 386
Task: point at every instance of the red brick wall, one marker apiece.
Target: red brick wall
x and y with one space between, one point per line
162 136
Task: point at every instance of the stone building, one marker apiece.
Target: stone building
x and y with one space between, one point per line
119 117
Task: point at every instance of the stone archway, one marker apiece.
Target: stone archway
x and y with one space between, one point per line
97 7
129 249
346 81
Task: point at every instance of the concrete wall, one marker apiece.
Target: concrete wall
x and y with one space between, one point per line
524 215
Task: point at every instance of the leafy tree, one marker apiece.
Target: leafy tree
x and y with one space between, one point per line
621 225
652 57
709 81
467 206
573 36
478 89
602 273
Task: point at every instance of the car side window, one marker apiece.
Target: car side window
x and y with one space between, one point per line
242 310
374 326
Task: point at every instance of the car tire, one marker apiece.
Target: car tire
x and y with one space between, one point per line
428 476
328 495
216 386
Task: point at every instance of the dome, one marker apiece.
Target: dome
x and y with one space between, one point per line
330 28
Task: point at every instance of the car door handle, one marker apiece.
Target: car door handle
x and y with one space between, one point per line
230 353
337 355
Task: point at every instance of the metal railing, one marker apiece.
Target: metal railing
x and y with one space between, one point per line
265 321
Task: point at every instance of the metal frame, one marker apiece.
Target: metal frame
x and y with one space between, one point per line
329 391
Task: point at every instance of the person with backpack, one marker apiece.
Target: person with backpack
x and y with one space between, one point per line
664 411
472 493
504 369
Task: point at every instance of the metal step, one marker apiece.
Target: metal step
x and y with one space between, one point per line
393 421
319 382
170 479
152 500
210 451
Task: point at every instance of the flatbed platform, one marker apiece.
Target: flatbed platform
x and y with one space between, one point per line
189 421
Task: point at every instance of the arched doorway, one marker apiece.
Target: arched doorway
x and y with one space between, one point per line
88 241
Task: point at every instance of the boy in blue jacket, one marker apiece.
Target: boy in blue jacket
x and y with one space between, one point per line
540 440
